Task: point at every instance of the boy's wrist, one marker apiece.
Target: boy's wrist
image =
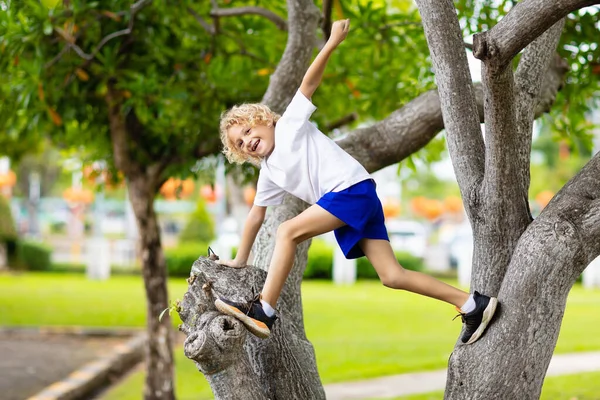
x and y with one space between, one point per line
331 44
240 261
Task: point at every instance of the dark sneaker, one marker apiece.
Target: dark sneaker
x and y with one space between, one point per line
477 320
250 314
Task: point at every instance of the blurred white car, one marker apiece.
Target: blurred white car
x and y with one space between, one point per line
409 236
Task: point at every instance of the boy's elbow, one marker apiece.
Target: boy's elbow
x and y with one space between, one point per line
257 214
308 89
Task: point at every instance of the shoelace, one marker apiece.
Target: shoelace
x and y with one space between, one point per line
460 314
255 299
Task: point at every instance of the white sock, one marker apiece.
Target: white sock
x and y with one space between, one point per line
469 305
270 311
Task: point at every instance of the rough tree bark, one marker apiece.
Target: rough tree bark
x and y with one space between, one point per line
531 266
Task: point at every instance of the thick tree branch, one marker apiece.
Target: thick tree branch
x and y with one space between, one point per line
504 213
154 172
524 22
394 138
410 128
118 132
263 12
506 180
500 132
303 18
533 67
345 120
456 93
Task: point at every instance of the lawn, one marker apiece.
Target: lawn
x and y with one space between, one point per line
358 332
568 387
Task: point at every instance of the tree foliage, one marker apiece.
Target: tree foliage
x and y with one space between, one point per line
174 79
569 118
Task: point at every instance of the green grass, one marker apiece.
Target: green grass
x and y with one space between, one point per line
359 332
63 299
189 383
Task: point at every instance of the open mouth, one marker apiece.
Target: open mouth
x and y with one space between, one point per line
255 145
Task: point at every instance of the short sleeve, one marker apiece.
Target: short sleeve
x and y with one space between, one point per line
300 109
267 192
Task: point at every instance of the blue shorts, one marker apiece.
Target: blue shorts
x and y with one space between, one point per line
359 207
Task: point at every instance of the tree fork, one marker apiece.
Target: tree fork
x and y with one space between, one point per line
237 364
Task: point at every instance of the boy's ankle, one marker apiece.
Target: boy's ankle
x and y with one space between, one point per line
267 308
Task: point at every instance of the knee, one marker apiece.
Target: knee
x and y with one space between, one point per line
394 278
288 232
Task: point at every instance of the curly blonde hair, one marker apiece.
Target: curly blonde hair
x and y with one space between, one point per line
245 114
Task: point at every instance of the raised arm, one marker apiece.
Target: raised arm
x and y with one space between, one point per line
314 74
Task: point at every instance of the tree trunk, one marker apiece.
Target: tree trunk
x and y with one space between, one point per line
284 365
236 364
511 360
143 184
159 352
530 266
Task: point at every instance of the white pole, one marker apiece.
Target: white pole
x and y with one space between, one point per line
98 266
4 165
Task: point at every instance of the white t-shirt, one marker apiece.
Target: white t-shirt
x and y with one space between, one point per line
304 162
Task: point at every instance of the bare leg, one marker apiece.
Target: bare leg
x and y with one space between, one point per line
310 223
381 255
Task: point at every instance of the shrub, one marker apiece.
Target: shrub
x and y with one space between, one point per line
200 226
7 222
79 268
8 232
320 260
34 256
410 261
180 259
134 269
67 267
58 228
365 270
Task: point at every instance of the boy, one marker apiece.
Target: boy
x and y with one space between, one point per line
309 165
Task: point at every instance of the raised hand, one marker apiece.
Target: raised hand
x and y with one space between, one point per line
314 74
339 31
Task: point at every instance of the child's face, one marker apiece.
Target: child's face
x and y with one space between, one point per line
258 141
